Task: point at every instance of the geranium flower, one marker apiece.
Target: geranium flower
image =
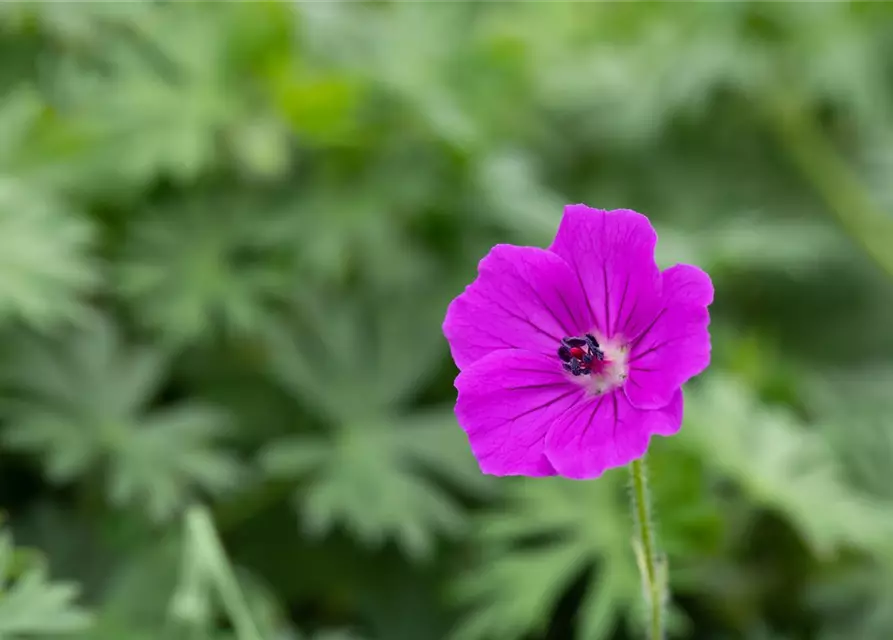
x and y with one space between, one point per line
571 358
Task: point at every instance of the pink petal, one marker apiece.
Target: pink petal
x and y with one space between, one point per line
523 297
507 402
605 432
612 253
676 347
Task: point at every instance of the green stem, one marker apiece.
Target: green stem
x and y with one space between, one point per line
201 528
846 197
653 578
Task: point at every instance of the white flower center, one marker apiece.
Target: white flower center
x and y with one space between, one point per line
610 373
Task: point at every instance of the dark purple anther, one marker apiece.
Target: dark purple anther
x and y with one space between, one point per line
577 353
594 347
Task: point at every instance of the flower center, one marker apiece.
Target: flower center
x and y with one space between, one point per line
580 355
599 367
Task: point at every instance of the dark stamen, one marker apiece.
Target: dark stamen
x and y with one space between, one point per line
577 354
594 347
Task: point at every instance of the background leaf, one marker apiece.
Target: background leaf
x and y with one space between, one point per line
30 604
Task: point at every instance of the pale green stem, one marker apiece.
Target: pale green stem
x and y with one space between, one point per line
847 198
200 527
652 569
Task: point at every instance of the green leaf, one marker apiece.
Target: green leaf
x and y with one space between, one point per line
317 105
200 267
350 357
378 479
31 604
348 221
783 465
75 23
45 267
175 454
854 406
551 533
19 112
165 99
82 400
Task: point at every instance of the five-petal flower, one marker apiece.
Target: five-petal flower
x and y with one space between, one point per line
571 358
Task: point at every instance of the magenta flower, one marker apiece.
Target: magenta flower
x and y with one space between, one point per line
572 357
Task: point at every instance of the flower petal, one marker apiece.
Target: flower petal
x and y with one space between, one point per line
605 432
507 402
523 297
676 347
612 253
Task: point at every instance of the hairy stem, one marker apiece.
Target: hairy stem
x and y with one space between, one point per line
652 569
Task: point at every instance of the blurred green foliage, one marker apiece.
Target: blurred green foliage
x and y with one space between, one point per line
228 235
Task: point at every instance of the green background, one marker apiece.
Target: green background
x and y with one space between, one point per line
228 236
